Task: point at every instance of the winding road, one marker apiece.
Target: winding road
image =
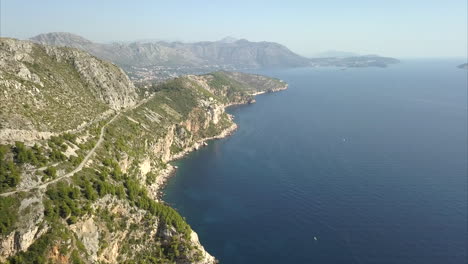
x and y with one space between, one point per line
71 173
86 158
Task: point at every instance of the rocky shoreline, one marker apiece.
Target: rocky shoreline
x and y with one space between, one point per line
285 87
165 175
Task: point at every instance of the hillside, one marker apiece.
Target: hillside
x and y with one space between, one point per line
90 195
52 89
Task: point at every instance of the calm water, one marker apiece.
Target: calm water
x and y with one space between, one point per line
370 162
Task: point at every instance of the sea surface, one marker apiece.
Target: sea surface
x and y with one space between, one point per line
346 166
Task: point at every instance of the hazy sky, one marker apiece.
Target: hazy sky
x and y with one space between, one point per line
410 28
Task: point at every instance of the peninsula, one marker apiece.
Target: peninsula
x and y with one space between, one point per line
84 153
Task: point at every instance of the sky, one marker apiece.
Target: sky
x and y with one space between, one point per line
410 28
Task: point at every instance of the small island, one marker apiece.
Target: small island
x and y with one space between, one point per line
463 66
354 61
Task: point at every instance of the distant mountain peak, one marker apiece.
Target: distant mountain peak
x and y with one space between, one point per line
61 39
228 39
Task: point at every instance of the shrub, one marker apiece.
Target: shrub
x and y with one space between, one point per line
64 202
9 208
50 172
57 155
150 178
70 137
9 172
23 154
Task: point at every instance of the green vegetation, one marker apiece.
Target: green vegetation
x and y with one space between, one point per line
23 154
70 137
95 184
9 172
62 86
177 95
75 257
150 178
38 251
63 202
12 158
232 89
179 114
57 145
50 172
9 214
139 197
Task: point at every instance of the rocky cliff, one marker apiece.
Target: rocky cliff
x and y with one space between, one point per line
90 195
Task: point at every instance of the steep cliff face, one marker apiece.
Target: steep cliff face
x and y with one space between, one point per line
91 195
47 89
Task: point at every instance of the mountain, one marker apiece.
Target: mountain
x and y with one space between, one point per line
228 39
63 39
335 54
238 53
83 157
159 61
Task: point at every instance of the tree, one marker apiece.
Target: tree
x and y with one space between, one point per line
50 172
64 210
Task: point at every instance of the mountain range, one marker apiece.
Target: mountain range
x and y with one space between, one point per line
228 53
239 53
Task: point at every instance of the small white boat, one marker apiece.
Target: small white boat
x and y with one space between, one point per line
315 238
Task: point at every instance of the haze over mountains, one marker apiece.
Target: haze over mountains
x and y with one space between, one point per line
335 54
146 60
241 53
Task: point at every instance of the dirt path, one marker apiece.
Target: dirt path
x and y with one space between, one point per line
86 158
77 169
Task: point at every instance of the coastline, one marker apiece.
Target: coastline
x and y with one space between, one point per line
166 174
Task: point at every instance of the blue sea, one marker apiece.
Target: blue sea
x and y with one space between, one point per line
364 165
